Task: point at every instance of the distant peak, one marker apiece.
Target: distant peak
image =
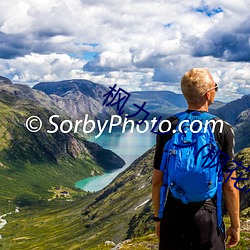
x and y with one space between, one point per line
62 88
4 80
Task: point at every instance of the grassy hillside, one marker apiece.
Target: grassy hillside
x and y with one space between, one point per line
150 242
244 157
54 225
31 164
38 172
120 212
86 222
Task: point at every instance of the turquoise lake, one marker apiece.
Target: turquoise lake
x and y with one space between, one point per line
129 146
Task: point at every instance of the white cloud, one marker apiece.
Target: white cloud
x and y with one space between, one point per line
16 18
140 44
35 68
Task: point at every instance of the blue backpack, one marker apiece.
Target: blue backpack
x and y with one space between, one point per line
191 162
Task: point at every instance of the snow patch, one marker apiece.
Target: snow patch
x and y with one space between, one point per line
143 186
4 222
142 204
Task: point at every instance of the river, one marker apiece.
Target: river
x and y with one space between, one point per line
128 146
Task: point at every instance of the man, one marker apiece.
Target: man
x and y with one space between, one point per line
194 225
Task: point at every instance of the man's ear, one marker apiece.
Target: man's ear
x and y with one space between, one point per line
207 95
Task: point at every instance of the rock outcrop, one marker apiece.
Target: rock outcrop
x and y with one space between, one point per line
4 80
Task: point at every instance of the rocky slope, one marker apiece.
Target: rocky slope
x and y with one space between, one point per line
232 110
126 206
4 80
78 98
244 157
237 114
126 200
242 130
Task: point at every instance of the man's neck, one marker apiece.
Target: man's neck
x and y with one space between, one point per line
198 107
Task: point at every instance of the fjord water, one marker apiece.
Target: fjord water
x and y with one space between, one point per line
129 146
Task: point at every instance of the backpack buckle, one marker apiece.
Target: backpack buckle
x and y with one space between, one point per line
172 152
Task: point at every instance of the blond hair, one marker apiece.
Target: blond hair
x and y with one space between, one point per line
195 83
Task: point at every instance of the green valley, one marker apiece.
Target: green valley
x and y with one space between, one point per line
38 172
32 163
120 213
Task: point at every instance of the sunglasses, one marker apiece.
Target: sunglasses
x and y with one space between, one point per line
216 87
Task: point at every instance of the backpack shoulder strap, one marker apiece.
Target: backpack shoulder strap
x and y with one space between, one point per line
208 116
181 115
205 115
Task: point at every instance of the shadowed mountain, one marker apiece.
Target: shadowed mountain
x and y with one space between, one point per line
216 105
157 102
242 130
237 113
232 110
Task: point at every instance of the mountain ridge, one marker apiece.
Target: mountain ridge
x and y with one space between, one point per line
237 114
120 211
4 80
72 95
58 159
230 111
78 97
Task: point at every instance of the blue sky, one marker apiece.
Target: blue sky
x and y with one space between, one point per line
139 45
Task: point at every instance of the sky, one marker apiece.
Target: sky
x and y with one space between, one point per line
139 45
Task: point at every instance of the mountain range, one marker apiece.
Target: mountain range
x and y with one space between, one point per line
237 113
80 97
34 164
